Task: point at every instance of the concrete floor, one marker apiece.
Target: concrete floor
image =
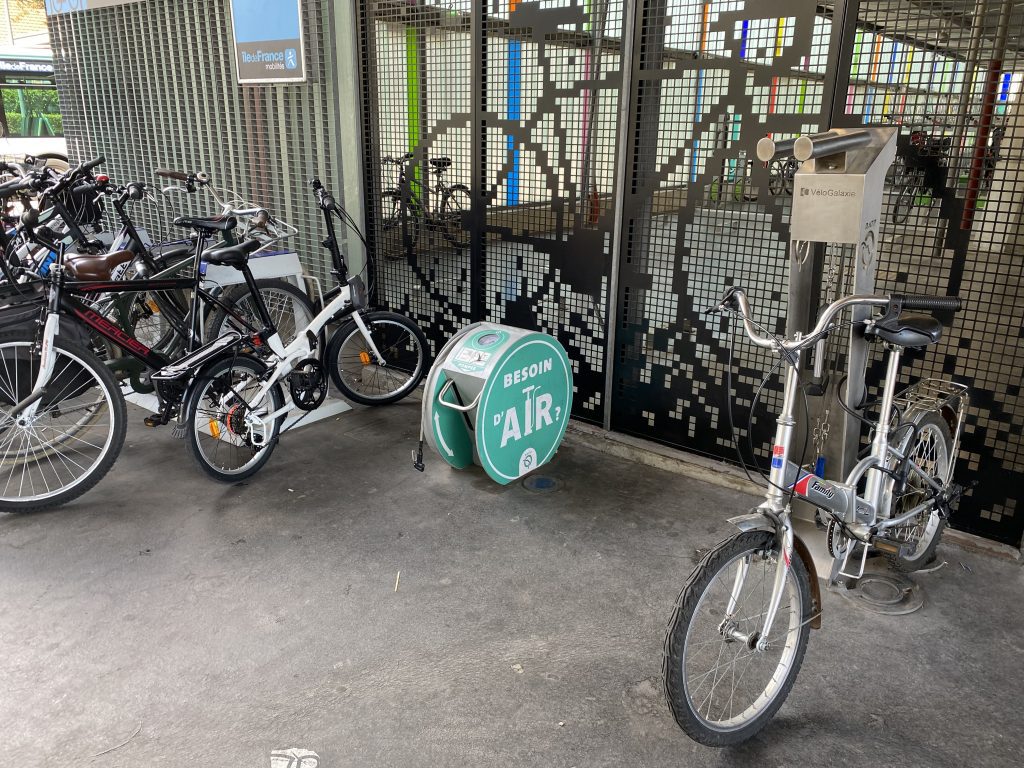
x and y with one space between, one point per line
526 631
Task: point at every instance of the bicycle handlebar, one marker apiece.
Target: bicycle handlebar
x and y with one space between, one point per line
736 299
15 186
939 303
197 177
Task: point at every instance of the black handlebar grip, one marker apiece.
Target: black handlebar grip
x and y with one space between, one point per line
948 303
93 163
136 190
83 189
261 218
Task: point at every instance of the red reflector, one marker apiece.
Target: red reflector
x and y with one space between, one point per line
256 342
102 178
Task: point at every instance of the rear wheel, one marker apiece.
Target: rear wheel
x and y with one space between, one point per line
720 689
290 309
931 448
74 437
360 376
226 439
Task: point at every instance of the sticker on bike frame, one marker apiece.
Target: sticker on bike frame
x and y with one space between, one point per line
777 457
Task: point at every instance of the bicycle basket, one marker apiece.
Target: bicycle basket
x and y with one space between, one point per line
21 306
86 208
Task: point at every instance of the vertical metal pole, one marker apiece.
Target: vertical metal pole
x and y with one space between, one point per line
371 177
840 61
345 27
973 45
992 76
478 153
620 196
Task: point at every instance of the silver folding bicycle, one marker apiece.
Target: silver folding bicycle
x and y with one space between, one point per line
740 627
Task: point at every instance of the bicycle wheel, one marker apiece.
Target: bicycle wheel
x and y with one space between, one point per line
720 689
931 448
75 435
356 372
399 229
290 309
224 440
905 201
788 173
454 204
776 181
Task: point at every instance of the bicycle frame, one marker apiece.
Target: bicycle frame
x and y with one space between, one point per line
860 515
62 301
302 347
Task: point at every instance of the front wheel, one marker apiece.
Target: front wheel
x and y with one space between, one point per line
455 203
75 435
399 225
226 434
363 378
720 688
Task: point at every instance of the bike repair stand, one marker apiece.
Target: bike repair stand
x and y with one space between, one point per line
837 203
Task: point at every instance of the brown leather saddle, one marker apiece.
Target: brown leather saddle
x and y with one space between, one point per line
101 266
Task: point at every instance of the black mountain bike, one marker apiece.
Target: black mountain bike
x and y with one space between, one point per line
62 412
404 213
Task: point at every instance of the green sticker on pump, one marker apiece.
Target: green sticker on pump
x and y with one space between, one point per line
524 408
448 426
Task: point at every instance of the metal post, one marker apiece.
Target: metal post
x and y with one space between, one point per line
971 64
478 163
626 102
840 60
991 88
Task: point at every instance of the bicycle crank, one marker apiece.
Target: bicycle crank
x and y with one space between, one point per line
307 384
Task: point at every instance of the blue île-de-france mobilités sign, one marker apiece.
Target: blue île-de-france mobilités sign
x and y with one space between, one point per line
268 41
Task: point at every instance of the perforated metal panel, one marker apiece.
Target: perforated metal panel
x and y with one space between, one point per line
671 187
949 73
153 84
521 100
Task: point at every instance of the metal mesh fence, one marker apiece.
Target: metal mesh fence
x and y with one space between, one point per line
153 85
948 73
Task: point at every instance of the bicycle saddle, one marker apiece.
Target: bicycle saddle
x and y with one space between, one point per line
216 224
441 163
232 255
907 330
85 266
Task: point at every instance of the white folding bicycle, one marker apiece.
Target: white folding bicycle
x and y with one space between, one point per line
229 394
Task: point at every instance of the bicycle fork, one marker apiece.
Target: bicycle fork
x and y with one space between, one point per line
776 509
26 410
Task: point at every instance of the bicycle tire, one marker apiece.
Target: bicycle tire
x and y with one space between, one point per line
350 362
932 434
288 320
456 201
40 443
400 230
776 184
772 682
223 415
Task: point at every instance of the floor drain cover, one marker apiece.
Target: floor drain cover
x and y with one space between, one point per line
886 593
541 484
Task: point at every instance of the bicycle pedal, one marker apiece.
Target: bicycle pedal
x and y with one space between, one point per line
154 420
891 546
